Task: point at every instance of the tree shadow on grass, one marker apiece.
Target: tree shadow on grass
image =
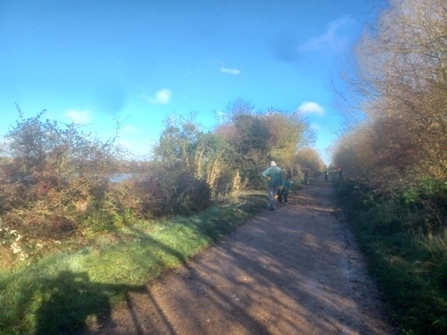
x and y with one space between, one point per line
280 274
71 300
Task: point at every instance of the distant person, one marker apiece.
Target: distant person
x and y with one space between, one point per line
326 174
273 174
283 192
306 176
340 173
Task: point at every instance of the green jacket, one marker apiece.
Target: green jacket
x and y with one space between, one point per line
275 175
286 184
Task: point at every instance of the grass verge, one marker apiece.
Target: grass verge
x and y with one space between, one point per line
68 290
408 263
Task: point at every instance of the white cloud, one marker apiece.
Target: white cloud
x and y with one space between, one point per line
130 129
315 127
232 71
161 97
79 116
310 107
4 144
125 144
329 39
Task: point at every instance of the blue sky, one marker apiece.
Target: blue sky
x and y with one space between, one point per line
90 61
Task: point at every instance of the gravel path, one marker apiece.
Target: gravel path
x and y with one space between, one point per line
293 271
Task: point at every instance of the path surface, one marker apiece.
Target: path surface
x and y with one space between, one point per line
293 271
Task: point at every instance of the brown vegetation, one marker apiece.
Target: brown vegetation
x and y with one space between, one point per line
400 83
394 158
60 183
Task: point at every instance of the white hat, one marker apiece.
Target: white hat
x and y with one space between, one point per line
272 163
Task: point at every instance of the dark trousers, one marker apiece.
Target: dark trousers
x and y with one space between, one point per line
282 196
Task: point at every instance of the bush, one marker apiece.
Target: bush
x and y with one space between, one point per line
403 234
183 193
55 175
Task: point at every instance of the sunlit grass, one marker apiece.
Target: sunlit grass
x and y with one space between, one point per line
408 263
64 289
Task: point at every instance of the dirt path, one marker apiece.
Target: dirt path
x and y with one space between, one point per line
293 271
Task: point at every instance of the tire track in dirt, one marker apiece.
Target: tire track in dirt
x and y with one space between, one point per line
293 271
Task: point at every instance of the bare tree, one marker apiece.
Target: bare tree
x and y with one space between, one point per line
401 81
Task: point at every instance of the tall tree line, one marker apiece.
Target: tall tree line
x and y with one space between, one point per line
398 82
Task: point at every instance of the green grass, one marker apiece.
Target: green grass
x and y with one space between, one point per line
67 290
408 263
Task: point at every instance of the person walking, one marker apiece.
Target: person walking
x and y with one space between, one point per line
273 174
283 192
326 174
340 173
306 176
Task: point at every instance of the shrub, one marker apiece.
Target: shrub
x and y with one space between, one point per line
403 234
183 193
55 172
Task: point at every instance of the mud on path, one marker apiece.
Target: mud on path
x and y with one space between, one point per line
293 271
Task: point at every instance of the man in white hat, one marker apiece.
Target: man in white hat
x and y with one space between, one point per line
274 177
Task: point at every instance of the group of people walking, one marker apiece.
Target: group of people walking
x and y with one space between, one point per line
279 186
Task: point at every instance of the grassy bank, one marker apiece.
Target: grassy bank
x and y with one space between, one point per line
67 290
406 249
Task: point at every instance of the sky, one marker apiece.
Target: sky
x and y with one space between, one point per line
139 61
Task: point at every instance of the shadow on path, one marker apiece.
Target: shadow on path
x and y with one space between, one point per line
294 271
70 299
